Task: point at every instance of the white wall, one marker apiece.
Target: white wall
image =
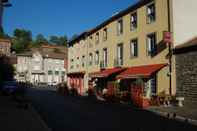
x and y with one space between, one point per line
184 20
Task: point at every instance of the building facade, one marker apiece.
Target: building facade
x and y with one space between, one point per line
186 65
5 47
130 48
43 65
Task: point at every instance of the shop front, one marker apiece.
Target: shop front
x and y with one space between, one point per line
104 79
142 82
76 81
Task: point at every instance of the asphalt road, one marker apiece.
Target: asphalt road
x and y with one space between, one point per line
67 113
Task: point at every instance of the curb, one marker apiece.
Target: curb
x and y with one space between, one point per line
39 118
177 117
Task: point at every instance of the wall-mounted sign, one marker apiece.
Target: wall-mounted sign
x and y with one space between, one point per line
167 37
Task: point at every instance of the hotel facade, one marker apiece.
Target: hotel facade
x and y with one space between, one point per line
133 48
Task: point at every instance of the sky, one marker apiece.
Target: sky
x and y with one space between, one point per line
60 17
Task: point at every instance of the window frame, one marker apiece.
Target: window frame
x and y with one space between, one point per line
151 49
152 14
105 34
90 59
97 57
120 53
134 23
120 26
105 57
133 50
97 37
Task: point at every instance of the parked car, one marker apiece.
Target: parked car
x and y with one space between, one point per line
9 87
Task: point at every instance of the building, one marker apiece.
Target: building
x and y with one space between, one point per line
5 47
186 65
133 48
42 65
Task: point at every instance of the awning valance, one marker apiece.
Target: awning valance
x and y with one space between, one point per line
140 71
106 72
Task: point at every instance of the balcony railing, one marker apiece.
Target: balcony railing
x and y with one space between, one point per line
118 62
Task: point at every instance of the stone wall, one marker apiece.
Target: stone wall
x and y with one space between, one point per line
186 70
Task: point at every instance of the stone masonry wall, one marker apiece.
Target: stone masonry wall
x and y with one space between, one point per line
186 69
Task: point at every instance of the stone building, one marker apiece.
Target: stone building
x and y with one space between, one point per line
42 65
186 70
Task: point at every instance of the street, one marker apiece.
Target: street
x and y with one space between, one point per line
67 113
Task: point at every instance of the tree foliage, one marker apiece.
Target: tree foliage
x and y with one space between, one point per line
22 40
39 40
58 40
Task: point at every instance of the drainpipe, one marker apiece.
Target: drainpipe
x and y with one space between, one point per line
170 48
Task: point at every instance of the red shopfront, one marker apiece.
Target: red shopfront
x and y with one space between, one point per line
76 81
105 79
135 78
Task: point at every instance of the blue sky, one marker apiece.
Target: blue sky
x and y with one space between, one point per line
60 17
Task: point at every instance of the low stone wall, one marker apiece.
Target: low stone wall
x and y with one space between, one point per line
186 72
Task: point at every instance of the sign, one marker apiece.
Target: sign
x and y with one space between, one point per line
167 37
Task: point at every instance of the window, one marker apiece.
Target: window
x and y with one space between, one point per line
120 54
83 61
151 15
151 44
90 58
97 37
105 59
71 61
50 72
134 21
63 73
97 57
134 48
150 87
77 62
120 27
56 72
105 34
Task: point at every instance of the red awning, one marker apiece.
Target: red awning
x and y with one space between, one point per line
140 71
106 72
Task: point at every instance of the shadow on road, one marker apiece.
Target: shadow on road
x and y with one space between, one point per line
67 113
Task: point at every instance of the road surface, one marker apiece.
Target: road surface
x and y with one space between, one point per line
67 113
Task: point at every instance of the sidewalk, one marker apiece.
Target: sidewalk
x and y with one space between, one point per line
187 113
15 118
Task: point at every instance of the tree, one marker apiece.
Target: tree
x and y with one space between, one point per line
59 40
63 40
21 40
54 40
40 39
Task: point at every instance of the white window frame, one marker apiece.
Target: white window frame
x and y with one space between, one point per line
133 49
151 44
151 13
120 26
134 21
